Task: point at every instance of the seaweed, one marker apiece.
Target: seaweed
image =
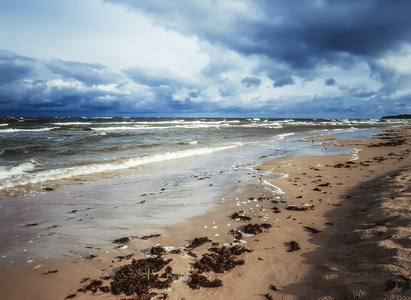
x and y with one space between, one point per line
293 246
139 277
198 281
219 260
146 237
313 230
237 216
197 242
252 229
122 240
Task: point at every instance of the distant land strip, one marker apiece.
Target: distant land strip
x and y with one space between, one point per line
406 116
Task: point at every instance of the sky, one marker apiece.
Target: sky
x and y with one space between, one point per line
209 58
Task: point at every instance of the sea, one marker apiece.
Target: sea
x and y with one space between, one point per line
92 179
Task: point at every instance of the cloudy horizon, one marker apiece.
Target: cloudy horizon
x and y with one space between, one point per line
214 58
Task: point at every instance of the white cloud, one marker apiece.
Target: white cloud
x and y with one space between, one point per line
398 61
96 32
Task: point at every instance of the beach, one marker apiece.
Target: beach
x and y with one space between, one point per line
295 227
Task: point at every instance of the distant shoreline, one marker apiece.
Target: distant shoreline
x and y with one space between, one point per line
405 116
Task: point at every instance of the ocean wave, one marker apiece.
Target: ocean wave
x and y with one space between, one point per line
19 176
12 130
71 123
194 142
119 128
13 171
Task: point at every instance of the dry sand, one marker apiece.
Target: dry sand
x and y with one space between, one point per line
359 204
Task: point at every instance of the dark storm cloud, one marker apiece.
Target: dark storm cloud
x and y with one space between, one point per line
57 87
283 81
300 33
13 67
251 81
330 82
246 46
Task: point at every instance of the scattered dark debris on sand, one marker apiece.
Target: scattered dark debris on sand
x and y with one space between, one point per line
197 242
157 250
198 281
393 142
126 257
123 240
237 234
293 246
147 237
91 256
240 216
299 207
136 278
255 228
276 210
84 280
313 230
268 296
71 296
32 224
139 277
219 260
274 288
93 286
50 272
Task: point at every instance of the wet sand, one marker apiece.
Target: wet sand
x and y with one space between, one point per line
339 230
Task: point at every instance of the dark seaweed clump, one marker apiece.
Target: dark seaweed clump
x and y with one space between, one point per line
255 228
237 216
198 281
219 260
139 277
197 242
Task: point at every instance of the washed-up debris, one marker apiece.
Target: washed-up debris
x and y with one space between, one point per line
255 228
252 229
50 272
276 210
84 279
298 207
32 224
146 237
219 260
237 233
274 288
140 276
122 240
268 296
91 256
197 242
313 230
293 246
198 281
391 143
121 247
126 257
238 216
94 286
155 251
